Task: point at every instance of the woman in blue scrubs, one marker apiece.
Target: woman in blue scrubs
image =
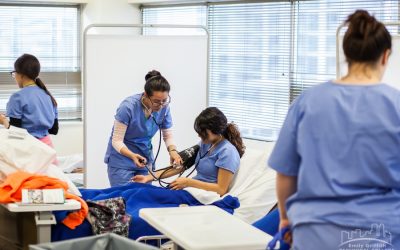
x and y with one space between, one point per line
137 120
33 107
338 153
218 159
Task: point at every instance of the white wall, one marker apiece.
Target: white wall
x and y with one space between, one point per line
110 12
70 138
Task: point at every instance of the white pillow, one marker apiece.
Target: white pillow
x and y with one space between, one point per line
28 154
254 184
249 163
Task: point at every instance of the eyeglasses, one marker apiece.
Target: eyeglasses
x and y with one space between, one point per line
157 103
12 73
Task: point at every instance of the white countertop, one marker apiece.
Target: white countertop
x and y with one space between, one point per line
18 207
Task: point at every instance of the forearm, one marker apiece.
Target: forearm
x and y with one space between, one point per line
117 139
54 129
285 187
168 139
167 173
126 152
214 187
163 174
171 148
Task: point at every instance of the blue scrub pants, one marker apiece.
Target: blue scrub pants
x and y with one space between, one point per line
120 176
316 236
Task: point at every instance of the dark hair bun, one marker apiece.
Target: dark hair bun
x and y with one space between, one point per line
366 39
151 74
362 24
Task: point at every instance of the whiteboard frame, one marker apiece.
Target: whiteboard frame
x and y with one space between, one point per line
338 43
84 73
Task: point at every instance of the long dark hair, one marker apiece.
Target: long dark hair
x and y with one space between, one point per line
214 120
155 82
365 39
29 66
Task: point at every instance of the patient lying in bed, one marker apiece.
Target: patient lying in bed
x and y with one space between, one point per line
218 159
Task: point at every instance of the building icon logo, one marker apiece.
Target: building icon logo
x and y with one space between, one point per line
376 238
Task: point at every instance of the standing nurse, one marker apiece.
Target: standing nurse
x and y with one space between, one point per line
33 107
137 120
337 156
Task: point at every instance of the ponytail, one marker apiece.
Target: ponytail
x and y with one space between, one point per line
41 85
232 134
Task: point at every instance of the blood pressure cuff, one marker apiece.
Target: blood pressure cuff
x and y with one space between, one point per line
189 156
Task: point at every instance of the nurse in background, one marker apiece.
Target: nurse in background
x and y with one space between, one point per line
137 120
338 153
33 107
218 159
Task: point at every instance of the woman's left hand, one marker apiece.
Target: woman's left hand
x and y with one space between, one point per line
175 158
180 183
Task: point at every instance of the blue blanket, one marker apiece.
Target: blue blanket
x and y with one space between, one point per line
137 196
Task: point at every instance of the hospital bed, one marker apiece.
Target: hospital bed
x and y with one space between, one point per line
253 185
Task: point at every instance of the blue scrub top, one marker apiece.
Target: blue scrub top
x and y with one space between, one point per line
35 109
224 155
139 132
343 144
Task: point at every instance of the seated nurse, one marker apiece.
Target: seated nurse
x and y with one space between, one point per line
137 120
218 159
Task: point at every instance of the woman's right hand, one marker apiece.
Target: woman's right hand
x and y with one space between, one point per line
139 160
142 178
288 236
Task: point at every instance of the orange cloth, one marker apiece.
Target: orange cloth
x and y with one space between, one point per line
10 191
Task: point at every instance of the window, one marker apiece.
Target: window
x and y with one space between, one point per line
270 51
316 24
51 33
249 65
186 15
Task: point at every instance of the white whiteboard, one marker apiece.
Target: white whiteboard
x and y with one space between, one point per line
115 69
391 76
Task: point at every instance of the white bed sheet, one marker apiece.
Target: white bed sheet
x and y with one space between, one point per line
254 186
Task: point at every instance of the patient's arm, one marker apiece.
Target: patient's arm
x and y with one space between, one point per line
285 187
221 187
149 178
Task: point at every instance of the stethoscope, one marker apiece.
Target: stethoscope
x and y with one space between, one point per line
165 184
153 165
